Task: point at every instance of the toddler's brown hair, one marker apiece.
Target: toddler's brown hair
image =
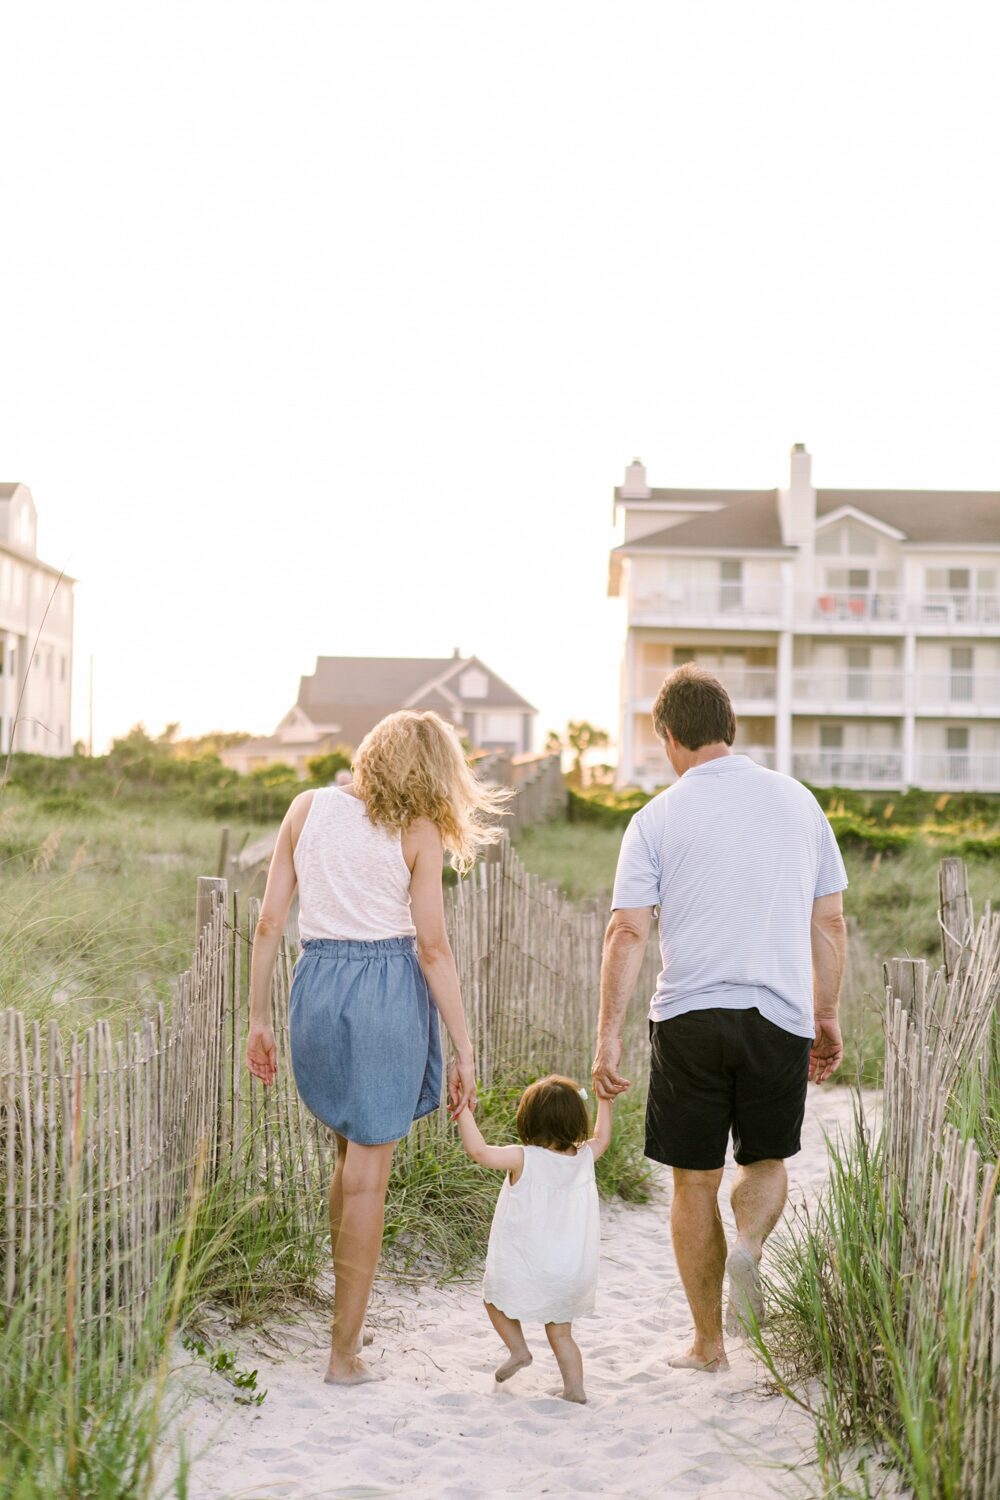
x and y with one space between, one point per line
551 1112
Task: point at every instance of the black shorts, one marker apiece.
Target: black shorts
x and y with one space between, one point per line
713 1071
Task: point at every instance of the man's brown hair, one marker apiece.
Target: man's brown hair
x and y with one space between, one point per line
552 1113
695 707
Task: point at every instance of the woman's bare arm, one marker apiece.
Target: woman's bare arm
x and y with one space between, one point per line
424 854
278 893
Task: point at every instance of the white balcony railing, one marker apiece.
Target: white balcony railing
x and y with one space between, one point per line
959 770
735 601
755 684
858 768
856 606
847 686
654 770
974 690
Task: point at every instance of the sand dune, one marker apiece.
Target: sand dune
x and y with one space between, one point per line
439 1428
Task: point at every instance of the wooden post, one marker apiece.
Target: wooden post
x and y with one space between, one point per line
223 853
906 978
954 913
208 885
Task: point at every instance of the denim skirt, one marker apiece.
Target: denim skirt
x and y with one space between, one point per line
365 1037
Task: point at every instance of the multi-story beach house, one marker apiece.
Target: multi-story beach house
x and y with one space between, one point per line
36 635
857 631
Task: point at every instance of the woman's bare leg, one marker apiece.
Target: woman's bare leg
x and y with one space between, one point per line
336 1212
512 1334
360 1198
568 1358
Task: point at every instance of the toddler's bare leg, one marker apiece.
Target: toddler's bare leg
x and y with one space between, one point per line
512 1334
569 1360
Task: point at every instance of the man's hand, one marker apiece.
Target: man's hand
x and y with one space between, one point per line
827 1051
608 1083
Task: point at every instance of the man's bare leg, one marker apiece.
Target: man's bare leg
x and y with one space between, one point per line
512 1334
758 1197
361 1194
700 1249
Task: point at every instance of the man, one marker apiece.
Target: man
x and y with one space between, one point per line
747 876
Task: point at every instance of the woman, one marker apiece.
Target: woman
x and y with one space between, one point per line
367 860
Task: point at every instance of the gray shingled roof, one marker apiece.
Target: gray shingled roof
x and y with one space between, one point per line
925 515
356 691
748 520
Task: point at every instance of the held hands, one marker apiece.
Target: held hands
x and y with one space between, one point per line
461 1087
827 1051
262 1054
608 1082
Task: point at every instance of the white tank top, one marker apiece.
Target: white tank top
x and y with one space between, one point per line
353 880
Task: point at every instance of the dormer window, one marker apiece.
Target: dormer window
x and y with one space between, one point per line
473 683
849 539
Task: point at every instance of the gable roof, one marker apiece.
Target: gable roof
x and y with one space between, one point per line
747 519
385 683
925 516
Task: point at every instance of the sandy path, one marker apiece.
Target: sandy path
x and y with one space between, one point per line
439 1428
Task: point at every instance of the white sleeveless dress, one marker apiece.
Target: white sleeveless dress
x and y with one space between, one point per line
545 1240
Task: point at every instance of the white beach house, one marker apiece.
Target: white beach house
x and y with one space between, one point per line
857 631
36 635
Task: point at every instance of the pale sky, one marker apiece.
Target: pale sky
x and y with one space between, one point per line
328 328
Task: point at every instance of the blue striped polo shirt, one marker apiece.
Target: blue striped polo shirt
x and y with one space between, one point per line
734 856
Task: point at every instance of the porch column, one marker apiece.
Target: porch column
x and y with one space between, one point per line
909 710
783 705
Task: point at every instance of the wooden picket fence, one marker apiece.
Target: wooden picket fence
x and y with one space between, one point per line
105 1134
942 1028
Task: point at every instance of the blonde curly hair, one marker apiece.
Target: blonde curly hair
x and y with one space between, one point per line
411 766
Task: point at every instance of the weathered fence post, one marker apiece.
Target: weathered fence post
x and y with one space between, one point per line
954 913
208 885
906 978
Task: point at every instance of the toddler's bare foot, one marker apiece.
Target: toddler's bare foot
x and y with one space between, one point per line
349 1371
708 1361
511 1366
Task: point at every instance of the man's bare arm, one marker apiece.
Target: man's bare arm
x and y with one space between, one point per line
624 946
828 935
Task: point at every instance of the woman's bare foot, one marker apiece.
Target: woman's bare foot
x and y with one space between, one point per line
511 1366
709 1361
352 1371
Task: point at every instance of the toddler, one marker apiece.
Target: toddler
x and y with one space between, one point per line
541 1266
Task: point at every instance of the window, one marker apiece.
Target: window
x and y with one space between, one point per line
828 541
683 654
957 737
958 580
473 683
731 583
859 660
961 679
831 736
861 541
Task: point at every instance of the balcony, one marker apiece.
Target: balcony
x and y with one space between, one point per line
655 771
848 690
966 693
743 684
853 768
957 770
838 608
719 605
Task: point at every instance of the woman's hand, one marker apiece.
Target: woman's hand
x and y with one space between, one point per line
461 1086
262 1054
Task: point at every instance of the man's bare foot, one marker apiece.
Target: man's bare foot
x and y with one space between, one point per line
351 1371
694 1359
511 1366
745 1306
